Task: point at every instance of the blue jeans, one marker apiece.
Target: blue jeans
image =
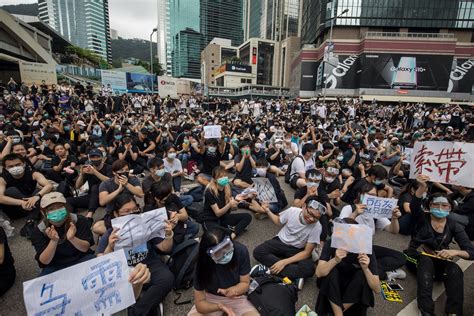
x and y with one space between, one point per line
274 207
391 161
192 229
177 184
186 200
50 269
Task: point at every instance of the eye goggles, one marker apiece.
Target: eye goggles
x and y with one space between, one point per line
315 205
221 249
332 170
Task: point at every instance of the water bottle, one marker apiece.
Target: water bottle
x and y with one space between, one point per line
253 285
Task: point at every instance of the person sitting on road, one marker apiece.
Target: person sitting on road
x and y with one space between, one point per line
289 253
300 165
61 239
19 192
219 203
346 281
244 165
222 276
161 278
430 249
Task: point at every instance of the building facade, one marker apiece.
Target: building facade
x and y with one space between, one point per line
83 22
222 19
393 48
217 52
163 36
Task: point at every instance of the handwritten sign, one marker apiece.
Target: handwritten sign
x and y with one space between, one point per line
353 238
212 131
95 287
265 190
378 207
137 229
445 162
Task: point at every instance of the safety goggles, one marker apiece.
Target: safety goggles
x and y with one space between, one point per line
221 249
332 171
315 205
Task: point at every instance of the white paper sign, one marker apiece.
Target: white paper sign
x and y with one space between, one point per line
352 238
137 229
96 287
265 190
212 131
445 162
378 207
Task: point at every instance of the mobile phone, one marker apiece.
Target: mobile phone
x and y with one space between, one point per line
395 287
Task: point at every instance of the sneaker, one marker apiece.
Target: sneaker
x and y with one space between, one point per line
396 274
27 229
258 270
299 283
161 309
315 254
189 177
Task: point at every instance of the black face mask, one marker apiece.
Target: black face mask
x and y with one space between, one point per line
96 163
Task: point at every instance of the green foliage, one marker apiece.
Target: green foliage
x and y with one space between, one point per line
88 55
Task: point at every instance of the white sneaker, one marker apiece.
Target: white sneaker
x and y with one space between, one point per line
396 274
300 283
259 269
315 254
189 177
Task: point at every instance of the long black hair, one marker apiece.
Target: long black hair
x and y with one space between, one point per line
205 266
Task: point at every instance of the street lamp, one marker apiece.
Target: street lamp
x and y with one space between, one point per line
151 59
329 47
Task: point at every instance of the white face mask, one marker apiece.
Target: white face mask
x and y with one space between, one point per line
172 155
16 171
329 179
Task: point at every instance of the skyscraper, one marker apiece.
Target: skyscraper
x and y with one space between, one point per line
223 19
164 38
83 22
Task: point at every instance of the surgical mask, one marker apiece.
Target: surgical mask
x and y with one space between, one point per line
378 182
223 181
438 213
261 172
171 156
258 145
279 146
329 179
211 149
118 137
225 259
340 158
57 215
312 184
160 172
16 171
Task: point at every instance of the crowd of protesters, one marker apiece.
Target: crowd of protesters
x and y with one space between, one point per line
68 150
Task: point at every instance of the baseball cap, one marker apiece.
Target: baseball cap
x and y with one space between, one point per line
51 198
95 153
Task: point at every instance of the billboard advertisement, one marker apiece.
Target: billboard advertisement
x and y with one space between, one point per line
37 72
342 72
168 86
308 75
404 71
116 79
238 68
461 78
141 83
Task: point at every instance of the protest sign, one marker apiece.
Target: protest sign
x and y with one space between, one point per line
353 238
445 162
136 229
265 190
212 131
378 207
96 287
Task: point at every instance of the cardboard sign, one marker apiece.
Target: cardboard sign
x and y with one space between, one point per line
134 230
212 131
378 207
265 190
352 238
96 287
444 162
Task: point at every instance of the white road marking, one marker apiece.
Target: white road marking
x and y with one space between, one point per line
438 289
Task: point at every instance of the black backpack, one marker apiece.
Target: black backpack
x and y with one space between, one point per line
271 289
288 170
182 262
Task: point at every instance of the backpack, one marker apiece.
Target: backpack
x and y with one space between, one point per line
271 289
181 263
288 170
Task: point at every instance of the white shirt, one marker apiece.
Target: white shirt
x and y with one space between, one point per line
296 234
322 111
174 166
380 223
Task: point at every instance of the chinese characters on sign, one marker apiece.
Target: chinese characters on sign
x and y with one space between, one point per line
352 238
445 162
95 287
212 131
378 207
265 190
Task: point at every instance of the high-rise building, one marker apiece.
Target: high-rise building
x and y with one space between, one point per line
222 19
83 22
398 50
272 19
164 38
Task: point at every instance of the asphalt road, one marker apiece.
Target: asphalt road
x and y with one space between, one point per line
11 304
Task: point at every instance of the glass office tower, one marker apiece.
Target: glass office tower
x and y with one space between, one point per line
223 19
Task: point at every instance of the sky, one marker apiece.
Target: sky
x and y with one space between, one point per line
131 18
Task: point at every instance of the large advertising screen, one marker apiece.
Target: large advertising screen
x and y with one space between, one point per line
116 79
141 83
461 78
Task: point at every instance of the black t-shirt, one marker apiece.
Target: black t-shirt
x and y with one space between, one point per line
209 200
70 159
404 198
93 180
143 145
7 267
245 174
224 276
278 160
350 263
352 192
210 161
330 187
26 184
128 157
66 253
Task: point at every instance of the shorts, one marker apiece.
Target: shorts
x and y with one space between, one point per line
240 305
293 181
